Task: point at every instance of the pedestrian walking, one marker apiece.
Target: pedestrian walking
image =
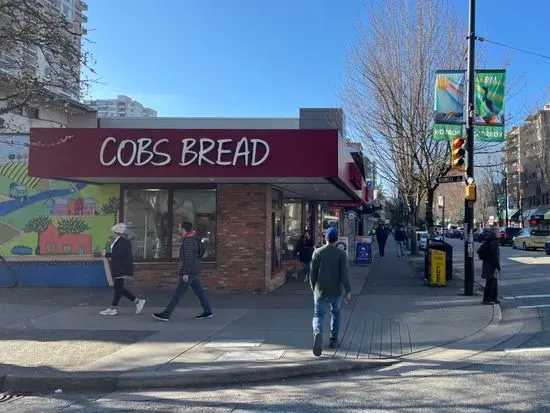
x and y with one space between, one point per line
489 253
191 250
304 250
121 263
399 239
329 282
381 238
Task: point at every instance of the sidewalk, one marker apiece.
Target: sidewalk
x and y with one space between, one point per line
52 338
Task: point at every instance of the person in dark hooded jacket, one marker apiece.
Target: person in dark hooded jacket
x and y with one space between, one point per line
304 250
489 253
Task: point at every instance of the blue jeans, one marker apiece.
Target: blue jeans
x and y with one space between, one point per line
196 285
307 267
320 307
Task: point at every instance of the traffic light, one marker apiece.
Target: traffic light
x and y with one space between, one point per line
458 154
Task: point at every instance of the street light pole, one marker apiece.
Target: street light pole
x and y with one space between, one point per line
506 194
469 269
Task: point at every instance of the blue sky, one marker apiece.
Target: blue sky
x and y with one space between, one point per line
271 57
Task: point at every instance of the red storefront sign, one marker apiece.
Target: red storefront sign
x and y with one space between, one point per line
176 153
355 177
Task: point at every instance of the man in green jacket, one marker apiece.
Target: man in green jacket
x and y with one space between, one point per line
329 280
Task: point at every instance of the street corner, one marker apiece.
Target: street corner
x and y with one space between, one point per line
209 375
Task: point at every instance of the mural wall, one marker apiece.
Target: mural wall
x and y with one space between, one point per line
44 217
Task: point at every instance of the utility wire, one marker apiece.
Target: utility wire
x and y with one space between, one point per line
482 39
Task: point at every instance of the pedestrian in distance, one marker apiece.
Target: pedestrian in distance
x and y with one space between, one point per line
381 238
329 282
399 239
489 253
191 250
304 250
121 263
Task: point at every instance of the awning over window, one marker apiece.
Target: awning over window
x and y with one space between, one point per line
539 213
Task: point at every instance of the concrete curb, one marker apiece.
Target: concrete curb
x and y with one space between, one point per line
109 382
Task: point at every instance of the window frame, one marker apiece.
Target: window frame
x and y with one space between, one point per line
170 188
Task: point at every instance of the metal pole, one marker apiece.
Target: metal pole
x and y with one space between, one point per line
469 270
506 194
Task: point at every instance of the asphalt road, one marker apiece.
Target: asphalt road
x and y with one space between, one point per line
525 277
509 383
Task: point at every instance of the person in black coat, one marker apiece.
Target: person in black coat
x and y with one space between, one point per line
304 249
381 238
489 252
122 266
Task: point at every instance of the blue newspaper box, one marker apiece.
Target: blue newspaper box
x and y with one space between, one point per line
363 251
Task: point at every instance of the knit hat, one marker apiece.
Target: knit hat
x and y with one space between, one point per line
332 234
119 228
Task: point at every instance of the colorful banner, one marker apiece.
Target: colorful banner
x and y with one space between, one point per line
490 97
442 132
449 97
489 133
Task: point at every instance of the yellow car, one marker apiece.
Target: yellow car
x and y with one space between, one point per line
528 239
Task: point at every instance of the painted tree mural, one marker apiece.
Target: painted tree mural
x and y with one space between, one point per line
111 207
38 225
72 225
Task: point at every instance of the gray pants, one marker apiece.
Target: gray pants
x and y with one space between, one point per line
400 248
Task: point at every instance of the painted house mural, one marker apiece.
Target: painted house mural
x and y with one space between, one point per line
44 217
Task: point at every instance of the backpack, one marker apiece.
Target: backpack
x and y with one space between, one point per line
200 250
482 251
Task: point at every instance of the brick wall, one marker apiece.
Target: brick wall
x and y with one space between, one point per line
243 246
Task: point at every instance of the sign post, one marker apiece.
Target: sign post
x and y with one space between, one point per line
363 250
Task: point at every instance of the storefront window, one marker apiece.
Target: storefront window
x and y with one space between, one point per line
199 208
146 213
293 227
155 215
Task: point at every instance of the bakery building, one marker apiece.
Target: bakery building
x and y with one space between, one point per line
249 186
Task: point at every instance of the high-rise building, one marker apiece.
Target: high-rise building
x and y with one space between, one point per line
528 165
121 107
59 73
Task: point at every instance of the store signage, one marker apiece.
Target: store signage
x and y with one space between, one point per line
345 204
355 177
194 151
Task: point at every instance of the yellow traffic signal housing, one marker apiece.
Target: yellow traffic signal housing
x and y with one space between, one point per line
471 194
458 154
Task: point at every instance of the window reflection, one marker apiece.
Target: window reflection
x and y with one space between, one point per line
199 208
146 213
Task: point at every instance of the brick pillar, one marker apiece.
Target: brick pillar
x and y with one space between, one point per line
243 246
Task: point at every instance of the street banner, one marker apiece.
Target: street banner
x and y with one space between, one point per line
449 104
489 120
447 132
449 96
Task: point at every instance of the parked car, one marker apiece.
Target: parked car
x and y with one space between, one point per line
528 239
506 234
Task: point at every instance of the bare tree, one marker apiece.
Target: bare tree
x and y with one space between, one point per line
32 31
389 93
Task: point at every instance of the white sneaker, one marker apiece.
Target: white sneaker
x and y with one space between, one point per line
109 311
139 306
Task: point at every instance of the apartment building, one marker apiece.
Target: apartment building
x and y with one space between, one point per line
121 107
60 73
527 158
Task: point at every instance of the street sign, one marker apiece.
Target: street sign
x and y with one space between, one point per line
450 179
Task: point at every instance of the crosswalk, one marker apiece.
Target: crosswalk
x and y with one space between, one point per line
525 299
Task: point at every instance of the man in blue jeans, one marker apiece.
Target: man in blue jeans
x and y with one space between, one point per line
190 252
329 280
